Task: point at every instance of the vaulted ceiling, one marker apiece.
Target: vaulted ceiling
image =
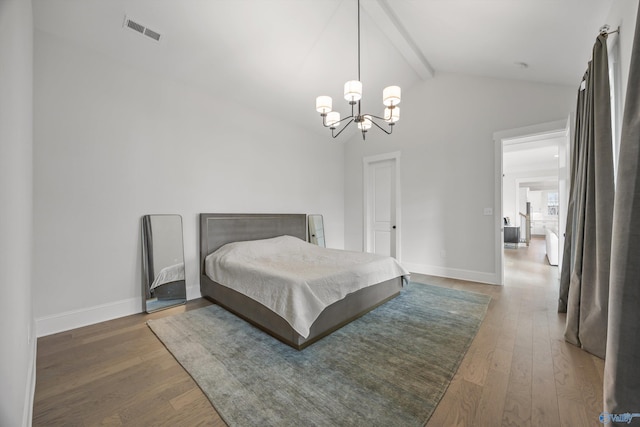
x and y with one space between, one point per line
278 55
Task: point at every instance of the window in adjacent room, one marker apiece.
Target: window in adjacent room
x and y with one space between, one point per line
552 204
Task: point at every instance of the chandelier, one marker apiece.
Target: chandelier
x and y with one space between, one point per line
353 95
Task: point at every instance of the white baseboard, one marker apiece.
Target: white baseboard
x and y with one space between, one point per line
72 319
452 273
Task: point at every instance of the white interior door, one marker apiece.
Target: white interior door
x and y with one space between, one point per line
381 213
382 174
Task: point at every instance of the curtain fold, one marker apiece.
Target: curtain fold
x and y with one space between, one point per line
568 250
622 366
590 221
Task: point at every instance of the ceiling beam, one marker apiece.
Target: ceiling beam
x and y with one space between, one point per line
388 22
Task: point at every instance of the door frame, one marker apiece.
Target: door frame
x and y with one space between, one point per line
536 132
366 167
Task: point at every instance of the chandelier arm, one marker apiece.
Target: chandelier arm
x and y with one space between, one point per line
388 132
324 120
346 118
345 126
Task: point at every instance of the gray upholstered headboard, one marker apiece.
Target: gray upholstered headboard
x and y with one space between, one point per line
216 230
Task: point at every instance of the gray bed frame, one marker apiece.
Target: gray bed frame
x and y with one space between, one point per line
217 230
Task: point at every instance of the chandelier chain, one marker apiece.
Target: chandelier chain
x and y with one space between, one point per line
359 41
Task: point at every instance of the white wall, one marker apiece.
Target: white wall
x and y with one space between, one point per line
17 357
445 136
523 195
623 14
113 143
509 197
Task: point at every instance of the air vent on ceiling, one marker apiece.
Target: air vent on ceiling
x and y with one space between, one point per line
137 27
152 34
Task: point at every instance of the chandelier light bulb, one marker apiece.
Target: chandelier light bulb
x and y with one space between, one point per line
323 104
391 95
333 118
365 125
353 91
392 115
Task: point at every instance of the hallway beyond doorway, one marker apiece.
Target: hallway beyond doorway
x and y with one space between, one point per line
529 266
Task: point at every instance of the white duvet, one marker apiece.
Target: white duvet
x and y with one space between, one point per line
295 279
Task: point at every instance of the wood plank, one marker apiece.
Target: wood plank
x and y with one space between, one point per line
478 362
186 398
518 402
491 405
571 406
458 407
544 411
112 375
544 405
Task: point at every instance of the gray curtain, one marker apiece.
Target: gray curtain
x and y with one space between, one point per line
569 253
592 196
622 366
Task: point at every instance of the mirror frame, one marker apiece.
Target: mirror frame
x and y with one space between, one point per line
174 276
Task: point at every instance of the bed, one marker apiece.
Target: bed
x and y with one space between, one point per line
218 230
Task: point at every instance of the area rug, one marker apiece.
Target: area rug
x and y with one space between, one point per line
389 367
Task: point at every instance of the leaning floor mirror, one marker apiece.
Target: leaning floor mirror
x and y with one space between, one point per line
163 278
316 230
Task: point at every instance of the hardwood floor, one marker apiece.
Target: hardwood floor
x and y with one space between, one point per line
116 373
518 371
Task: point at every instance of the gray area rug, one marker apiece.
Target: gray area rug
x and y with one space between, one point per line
387 368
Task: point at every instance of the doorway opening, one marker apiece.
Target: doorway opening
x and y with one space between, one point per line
532 190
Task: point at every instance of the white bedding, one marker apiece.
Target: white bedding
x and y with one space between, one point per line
295 279
169 274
